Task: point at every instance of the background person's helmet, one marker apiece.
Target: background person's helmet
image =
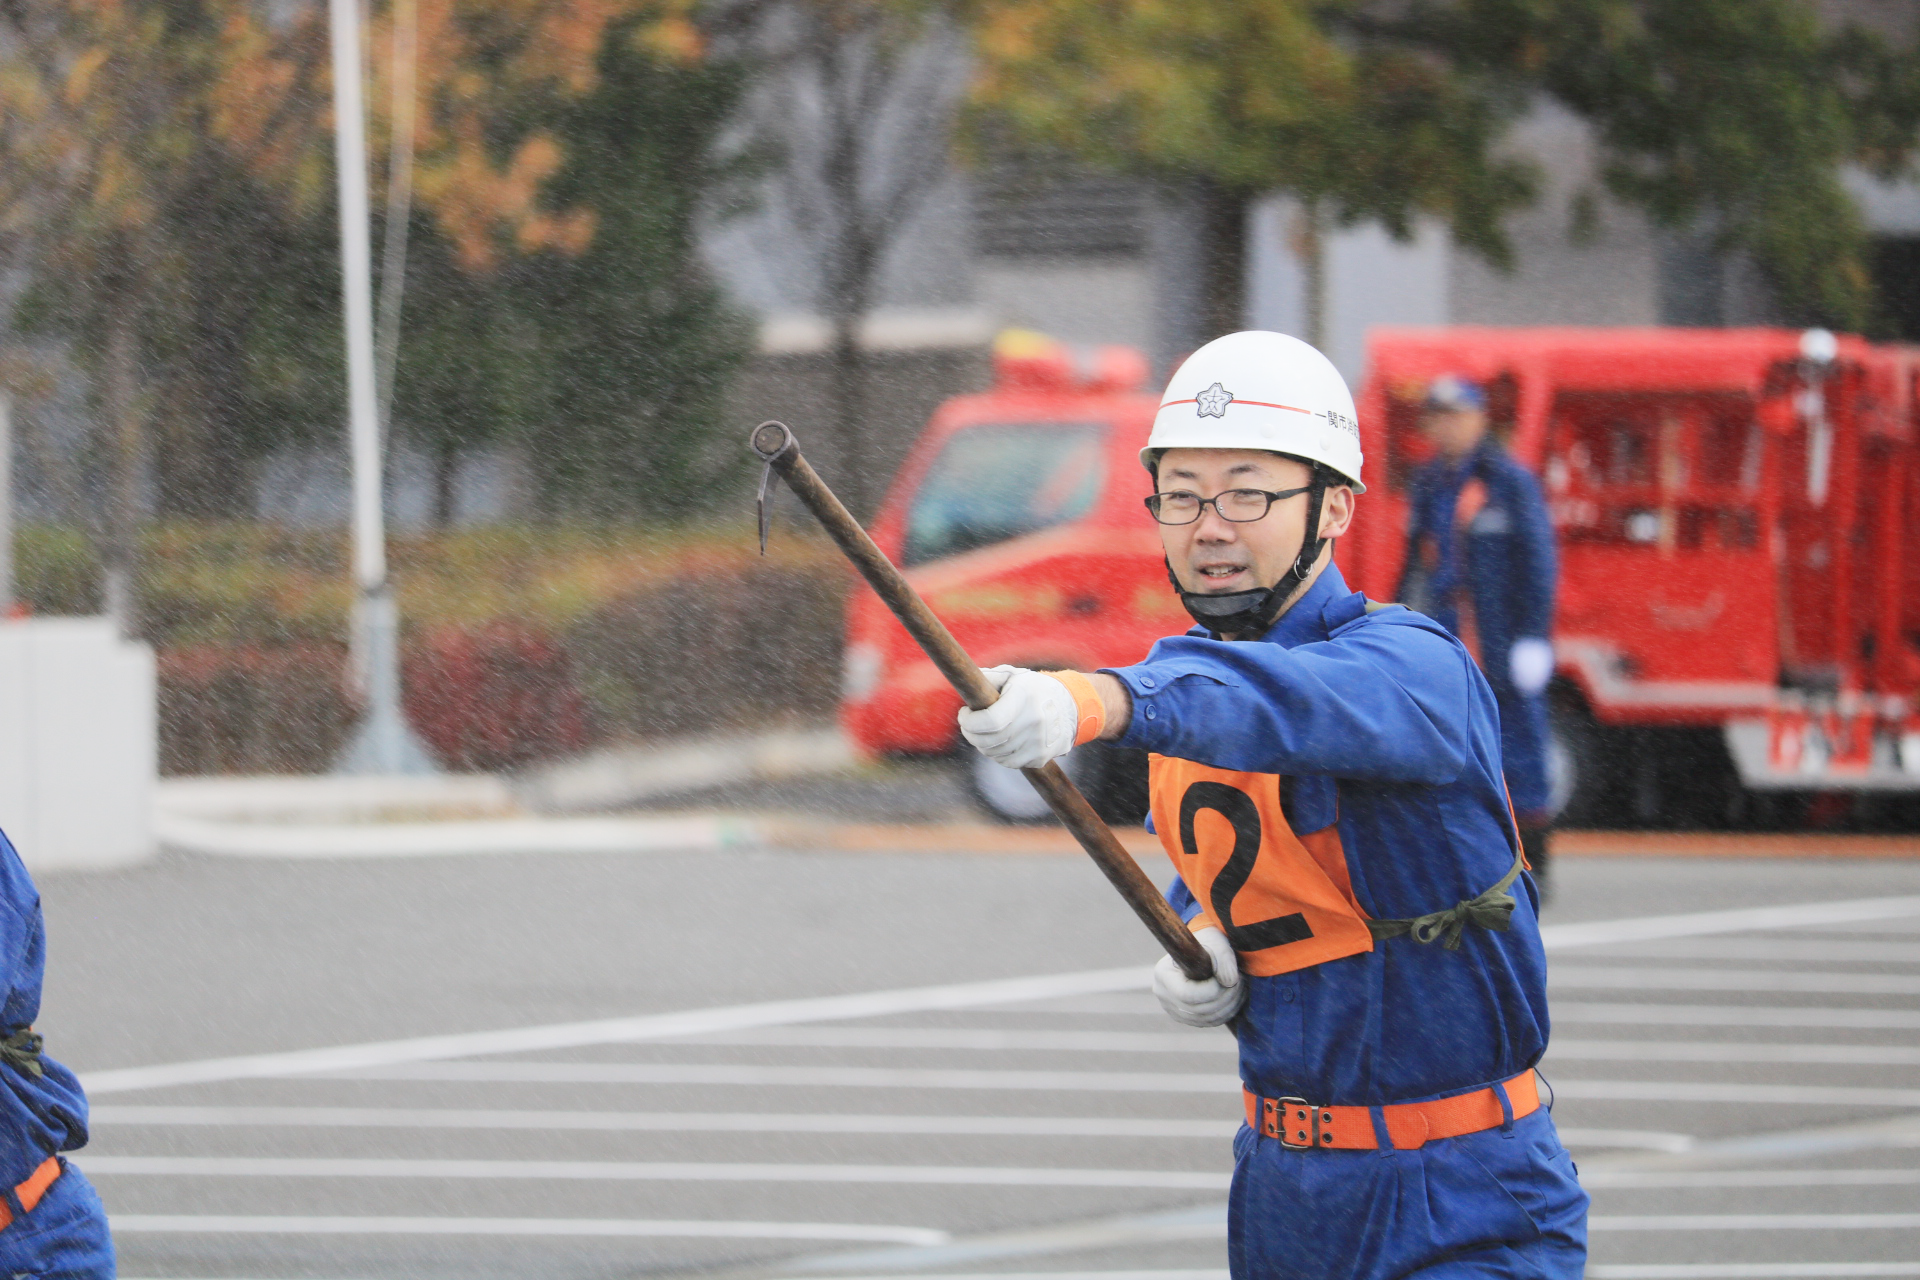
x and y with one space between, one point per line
1451 393
1259 390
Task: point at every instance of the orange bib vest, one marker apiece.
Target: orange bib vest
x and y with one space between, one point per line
1284 901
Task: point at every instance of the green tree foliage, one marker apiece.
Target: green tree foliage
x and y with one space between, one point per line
1732 115
635 342
1736 116
1232 99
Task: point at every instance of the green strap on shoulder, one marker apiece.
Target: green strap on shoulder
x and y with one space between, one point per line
21 1051
1492 909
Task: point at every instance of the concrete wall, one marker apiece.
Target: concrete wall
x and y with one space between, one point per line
1568 269
77 743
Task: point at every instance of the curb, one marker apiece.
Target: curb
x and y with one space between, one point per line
443 839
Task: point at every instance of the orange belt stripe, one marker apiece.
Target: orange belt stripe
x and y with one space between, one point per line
1299 1123
31 1191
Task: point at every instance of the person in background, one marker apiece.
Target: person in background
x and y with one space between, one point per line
1481 562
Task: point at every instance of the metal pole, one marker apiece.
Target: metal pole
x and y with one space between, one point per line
383 744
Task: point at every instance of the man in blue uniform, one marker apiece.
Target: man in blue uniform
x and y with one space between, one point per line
1481 562
1326 778
52 1225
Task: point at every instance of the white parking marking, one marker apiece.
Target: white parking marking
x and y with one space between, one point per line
982 1039
908 1000
667 1122
733 1075
1221 1274
646 1171
220 1224
1719 1015
1797 1095
1629 978
1688 1179
1786 950
1754 1222
1748 919
1748 1270
1640 1139
573 1035
1864 1055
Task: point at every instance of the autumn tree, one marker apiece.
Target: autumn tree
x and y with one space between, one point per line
167 179
131 142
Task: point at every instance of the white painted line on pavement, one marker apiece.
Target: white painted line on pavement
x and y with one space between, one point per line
1629 978
645 1171
217 1224
1748 1270
1221 1274
1861 1055
1793 1095
731 1075
111 1114
660 1026
1688 1179
1740 920
881 1003
1754 1222
1199 1222
986 1040
1637 1139
1735 1015
1785 950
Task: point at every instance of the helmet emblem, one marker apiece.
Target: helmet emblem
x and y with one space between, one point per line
1213 402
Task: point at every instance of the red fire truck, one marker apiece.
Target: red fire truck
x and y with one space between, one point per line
1738 629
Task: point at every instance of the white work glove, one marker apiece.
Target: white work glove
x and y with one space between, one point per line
1033 722
1207 1003
1530 664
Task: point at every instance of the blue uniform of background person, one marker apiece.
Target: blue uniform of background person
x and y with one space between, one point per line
1381 723
1503 562
65 1237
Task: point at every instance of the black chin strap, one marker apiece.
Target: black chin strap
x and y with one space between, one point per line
1248 614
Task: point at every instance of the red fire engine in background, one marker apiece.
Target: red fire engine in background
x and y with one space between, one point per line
1738 621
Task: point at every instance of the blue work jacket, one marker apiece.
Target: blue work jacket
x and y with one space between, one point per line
1382 724
1505 564
39 1115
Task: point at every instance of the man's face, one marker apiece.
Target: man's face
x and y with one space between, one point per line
1216 556
1454 432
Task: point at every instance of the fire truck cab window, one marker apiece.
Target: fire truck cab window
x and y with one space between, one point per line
1676 472
995 483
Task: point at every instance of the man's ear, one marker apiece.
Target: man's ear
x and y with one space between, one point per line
1336 511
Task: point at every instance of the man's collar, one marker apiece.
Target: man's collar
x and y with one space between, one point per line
1302 623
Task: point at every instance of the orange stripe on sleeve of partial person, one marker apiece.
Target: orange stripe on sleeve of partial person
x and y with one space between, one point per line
1089 712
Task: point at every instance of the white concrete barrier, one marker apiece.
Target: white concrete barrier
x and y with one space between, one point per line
78 743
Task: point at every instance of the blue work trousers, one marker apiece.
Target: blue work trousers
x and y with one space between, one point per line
1494 1205
64 1238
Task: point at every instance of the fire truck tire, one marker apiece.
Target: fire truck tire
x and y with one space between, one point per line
1114 781
1579 784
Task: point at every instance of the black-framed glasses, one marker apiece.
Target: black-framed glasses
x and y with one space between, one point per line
1241 506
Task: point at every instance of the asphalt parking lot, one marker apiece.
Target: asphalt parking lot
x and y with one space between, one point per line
508 1094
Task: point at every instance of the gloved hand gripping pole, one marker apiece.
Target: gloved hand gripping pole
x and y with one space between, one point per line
773 442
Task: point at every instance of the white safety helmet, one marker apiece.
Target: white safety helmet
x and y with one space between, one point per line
1259 390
